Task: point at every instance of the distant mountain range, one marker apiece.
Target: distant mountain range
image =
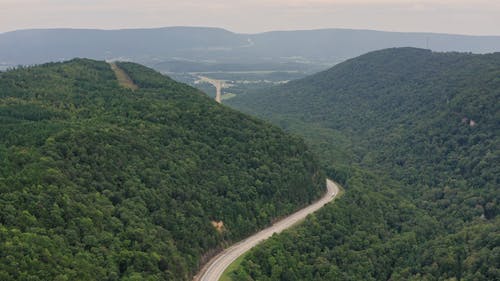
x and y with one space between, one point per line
215 45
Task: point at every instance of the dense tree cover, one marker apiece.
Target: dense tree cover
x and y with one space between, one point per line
98 182
424 127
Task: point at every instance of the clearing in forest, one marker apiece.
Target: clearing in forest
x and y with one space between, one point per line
122 77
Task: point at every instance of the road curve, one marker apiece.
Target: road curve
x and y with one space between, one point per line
213 270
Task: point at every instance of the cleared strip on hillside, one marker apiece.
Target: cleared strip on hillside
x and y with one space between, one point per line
122 77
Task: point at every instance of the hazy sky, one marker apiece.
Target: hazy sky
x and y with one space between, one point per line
481 17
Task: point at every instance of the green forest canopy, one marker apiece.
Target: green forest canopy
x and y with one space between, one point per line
99 182
415 138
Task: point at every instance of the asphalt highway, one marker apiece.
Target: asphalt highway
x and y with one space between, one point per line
213 270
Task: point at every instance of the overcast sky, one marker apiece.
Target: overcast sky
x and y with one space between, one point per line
479 17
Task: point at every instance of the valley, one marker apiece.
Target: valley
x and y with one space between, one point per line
232 83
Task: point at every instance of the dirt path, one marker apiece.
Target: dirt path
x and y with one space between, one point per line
122 77
213 270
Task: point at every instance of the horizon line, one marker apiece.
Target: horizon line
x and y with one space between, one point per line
246 33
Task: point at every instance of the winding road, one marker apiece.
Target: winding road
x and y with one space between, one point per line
213 270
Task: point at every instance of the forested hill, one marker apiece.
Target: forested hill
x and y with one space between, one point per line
99 182
415 137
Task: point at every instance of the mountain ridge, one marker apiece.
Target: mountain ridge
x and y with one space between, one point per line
98 181
415 137
202 44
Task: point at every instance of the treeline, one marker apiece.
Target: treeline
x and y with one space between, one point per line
98 182
414 135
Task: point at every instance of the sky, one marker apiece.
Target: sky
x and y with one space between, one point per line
476 17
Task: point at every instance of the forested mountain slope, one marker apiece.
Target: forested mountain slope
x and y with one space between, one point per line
415 136
99 182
